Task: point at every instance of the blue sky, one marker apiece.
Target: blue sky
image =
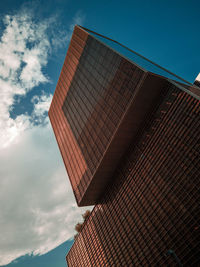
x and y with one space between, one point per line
38 210
55 257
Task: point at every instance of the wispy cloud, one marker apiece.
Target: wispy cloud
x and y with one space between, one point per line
24 50
41 106
38 210
64 36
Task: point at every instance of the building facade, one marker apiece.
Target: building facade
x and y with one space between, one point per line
128 132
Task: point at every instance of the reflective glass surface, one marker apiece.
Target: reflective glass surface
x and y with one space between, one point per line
149 215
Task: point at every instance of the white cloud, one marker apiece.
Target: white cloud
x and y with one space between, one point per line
38 210
31 74
24 50
41 104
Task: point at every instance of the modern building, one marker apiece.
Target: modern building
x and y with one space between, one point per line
129 134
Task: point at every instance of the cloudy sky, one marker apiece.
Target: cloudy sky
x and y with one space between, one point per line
37 209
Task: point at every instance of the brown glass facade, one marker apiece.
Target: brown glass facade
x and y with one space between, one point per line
130 140
86 112
149 215
97 108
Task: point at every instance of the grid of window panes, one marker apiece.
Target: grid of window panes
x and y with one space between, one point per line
69 148
99 93
149 216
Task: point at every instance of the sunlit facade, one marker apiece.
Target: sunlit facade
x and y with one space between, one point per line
128 132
